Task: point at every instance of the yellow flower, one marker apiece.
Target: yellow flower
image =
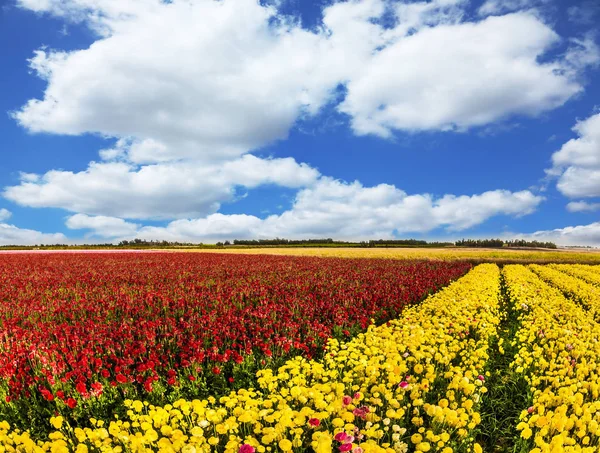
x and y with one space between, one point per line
285 445
56 422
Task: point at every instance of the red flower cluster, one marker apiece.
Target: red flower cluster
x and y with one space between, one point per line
73 326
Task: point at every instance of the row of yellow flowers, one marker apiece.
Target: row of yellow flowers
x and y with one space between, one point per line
588 273
559 346
413 384
575 288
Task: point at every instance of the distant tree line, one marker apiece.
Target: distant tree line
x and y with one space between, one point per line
280 241
498 243
153 243
407 242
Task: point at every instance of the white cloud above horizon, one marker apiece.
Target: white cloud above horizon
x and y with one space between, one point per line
582 206
5 214
102 226
577 163
578 235
256 72
158 191
13 235
338 209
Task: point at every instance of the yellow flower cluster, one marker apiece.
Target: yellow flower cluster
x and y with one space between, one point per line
559 346
590 274
406 253
412 384
585 293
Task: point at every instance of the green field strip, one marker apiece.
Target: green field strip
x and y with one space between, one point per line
572 287
559 357
508 391
590 274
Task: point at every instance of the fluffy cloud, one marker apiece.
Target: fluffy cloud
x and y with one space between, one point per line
159 191
102 225
352 211
583 235
219 78
202 79
12 235
582 206
188 89
5 214
577 163
460 75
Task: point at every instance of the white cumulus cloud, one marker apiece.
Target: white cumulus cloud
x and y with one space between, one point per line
12 235
189 89
206 79
582 206
583 235
102 225
577 163
455 76
342 210
220 78
5 214
157 191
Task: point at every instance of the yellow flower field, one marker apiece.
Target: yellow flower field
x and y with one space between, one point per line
559 352
448 253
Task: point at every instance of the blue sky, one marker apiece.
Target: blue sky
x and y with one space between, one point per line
202 121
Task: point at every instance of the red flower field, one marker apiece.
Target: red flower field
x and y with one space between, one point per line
83 330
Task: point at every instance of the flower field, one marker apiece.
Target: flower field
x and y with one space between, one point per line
230 353
80 333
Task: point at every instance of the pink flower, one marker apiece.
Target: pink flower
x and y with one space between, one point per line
347 400
345 447
481 378
341 437
314 422
403 384
357 450
246 448
361 412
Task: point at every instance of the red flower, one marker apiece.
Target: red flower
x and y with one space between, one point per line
121 379
246 448
97 389
47 394
314 422
71 402
81 388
